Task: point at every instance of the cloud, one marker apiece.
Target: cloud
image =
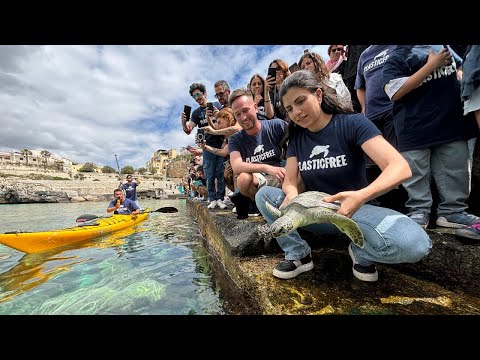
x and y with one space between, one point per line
88 103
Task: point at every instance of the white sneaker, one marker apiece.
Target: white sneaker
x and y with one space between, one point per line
212 205
234 210
221 204
228 192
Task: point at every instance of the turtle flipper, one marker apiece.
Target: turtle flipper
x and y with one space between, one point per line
273 210
343 223
351 229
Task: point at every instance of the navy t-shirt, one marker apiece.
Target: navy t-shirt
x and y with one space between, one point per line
332 160
198 117
432 113
261 148
369 77
130 190
126 207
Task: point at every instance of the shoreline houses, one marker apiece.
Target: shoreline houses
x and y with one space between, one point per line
35 158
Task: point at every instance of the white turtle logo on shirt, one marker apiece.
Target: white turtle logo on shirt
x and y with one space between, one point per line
258 149
320 149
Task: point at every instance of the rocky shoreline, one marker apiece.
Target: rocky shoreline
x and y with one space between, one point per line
24 191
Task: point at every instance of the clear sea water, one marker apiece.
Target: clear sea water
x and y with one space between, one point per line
160 267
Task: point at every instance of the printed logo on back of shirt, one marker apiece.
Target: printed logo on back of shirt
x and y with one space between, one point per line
378 60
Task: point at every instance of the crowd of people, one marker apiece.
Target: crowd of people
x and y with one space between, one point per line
413 111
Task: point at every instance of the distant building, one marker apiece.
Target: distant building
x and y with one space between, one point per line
160 160
35 159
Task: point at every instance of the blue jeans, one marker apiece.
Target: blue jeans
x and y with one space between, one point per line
448 165
213 168
390 237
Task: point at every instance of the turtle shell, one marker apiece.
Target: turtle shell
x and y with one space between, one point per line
313 199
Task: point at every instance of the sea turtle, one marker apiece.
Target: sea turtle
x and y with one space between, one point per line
308 208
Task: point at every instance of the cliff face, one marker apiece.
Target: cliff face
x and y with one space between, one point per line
178 168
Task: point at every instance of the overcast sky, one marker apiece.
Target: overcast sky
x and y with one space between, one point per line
88 103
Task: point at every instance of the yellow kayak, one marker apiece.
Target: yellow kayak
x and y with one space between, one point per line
33 242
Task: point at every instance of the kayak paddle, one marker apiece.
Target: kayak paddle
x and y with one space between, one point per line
86 217
90 217
166 209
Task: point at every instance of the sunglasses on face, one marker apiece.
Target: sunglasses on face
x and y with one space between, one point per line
337 49
197 95
220 94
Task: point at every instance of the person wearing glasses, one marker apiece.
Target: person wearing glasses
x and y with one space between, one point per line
212 164
130 188
337 57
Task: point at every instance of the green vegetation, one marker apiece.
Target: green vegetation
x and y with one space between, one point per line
45 154
87 167
141 170
108 170
127 170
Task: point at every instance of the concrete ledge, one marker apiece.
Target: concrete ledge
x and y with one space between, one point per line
445 282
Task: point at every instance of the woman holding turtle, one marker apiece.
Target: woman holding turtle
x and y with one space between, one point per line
326 146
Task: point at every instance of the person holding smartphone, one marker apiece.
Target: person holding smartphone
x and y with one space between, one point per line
212 164
261 97
282 72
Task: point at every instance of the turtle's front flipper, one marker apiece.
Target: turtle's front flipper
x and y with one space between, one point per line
351 229
273 210
343 223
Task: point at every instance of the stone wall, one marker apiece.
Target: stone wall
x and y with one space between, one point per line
14 191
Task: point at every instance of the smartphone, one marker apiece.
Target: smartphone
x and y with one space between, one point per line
294 67
210 106
272 72
187 110
200 135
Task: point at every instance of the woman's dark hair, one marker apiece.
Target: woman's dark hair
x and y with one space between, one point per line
306 79
262 80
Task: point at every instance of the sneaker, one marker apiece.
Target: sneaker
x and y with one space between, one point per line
212 205
227 201
221 204
234 210
289 269
420 218
228 192
471 232
458 220
363 272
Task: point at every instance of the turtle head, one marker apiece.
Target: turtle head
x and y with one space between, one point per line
280 227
